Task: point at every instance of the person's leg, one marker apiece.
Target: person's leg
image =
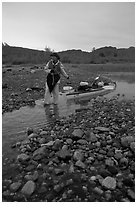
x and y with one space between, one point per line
47 96
56 93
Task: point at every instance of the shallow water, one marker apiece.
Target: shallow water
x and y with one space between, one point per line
14 124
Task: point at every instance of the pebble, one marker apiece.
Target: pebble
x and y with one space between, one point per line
109 183
80 164
23 157
15 186
78 155
28 188
77 134
98 190
95 156
102 129
29 130
131 194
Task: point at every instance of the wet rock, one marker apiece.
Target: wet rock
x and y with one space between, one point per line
80 164
78 155
23 157
15 186
29 188
77 134
109 183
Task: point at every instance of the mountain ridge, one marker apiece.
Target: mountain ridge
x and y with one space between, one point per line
19 55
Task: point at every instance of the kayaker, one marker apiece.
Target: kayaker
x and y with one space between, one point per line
54 69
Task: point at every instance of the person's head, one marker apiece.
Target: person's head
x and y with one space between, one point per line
55 57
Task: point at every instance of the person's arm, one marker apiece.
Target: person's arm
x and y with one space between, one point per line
46 68
63 71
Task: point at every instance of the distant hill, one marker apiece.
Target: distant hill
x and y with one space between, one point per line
18 55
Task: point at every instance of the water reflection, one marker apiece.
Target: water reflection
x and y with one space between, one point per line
51 112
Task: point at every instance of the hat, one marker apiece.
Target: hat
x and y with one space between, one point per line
55 55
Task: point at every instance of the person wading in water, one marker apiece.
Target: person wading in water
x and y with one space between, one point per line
54 68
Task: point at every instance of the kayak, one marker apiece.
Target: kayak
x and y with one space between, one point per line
93 92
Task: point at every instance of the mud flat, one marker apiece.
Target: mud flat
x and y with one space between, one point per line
88 156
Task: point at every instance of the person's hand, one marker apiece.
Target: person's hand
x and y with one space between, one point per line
68 77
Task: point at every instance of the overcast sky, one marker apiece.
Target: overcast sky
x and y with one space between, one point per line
68 25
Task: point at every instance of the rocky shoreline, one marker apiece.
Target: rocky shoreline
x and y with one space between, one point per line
87 157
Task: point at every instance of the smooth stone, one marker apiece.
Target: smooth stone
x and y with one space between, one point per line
28 188
15 186
109 183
